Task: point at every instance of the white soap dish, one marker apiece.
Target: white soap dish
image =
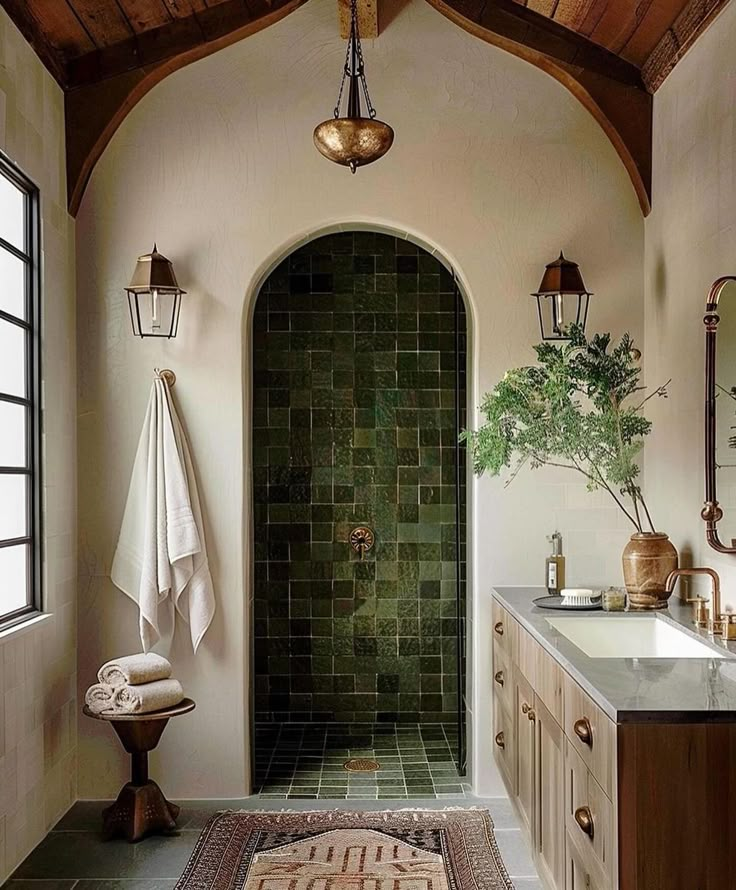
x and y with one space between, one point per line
579 596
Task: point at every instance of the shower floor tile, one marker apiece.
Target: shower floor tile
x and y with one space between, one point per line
306 761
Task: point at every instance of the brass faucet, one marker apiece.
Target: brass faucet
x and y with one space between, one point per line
716 624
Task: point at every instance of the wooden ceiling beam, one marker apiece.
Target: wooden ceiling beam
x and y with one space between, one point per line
156 45
614 93
541 34
367 18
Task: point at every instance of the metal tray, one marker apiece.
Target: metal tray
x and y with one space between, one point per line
555 602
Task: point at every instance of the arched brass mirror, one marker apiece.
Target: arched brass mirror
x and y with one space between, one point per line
720 413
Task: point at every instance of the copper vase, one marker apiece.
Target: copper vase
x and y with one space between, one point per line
648 559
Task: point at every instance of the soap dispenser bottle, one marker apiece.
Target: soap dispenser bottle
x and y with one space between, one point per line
555 566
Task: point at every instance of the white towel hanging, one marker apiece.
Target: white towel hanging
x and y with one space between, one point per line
161 557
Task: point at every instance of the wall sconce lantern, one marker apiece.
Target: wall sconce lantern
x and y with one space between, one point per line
154 297
562 299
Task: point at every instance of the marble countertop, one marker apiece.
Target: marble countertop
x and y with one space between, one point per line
632 690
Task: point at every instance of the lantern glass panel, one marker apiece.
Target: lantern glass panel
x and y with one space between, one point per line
154 313
558 311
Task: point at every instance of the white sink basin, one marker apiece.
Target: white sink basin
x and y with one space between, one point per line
632 637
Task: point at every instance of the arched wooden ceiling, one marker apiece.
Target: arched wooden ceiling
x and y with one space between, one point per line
107 54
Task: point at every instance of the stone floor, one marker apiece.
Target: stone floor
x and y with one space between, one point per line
74 857
307 761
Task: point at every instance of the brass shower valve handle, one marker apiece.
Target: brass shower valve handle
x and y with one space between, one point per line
362 540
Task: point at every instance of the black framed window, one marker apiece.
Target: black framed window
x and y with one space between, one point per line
20 433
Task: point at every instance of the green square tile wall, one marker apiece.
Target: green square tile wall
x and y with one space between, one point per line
356 388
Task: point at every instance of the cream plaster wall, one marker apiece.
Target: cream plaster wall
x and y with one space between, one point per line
494 163
38 721
690 241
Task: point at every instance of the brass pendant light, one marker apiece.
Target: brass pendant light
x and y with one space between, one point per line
353 140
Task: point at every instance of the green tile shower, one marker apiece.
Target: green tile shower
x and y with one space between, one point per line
359 389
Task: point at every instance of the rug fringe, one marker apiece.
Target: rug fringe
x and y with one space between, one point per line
338 811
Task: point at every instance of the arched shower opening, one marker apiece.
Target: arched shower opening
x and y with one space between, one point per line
359 390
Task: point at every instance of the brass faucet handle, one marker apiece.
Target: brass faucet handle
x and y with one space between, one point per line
702 617
728 625
716 627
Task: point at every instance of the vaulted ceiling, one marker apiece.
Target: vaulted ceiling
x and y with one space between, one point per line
106 54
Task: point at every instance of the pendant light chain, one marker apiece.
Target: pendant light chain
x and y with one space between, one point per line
354 42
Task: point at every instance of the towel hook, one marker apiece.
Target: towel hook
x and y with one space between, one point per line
168 375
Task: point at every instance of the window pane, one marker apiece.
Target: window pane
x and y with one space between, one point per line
12 213
12 359
12 435
14 575
12 284
13 508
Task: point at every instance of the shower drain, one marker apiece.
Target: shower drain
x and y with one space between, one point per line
362 765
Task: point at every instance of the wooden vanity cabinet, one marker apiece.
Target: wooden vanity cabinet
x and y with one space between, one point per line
647 805
537 707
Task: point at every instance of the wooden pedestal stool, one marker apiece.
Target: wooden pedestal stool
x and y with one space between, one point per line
141 807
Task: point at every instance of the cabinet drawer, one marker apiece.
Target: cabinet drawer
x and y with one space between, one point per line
503 681
504 627
589 819
504 745
591 734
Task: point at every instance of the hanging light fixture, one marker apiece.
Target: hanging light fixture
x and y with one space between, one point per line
154 297
562 299
353 140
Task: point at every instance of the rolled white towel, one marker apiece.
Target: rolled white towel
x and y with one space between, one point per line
99 698
134 670
148 697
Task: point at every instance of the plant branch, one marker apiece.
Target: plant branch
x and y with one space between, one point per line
660 391
646 510
516 470
597 480
632 495
600 480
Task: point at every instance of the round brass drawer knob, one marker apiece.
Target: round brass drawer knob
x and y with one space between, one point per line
584 819
584 731
498 677
499 740
498 627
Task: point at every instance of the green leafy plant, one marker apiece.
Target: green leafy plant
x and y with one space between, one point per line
577 408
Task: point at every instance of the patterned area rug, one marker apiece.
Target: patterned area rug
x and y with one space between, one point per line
333 850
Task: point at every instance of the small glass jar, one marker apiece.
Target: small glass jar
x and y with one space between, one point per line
613 599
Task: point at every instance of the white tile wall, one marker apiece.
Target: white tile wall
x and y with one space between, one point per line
38 737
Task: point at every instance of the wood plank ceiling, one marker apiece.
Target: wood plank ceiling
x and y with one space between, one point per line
106 54
651 34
